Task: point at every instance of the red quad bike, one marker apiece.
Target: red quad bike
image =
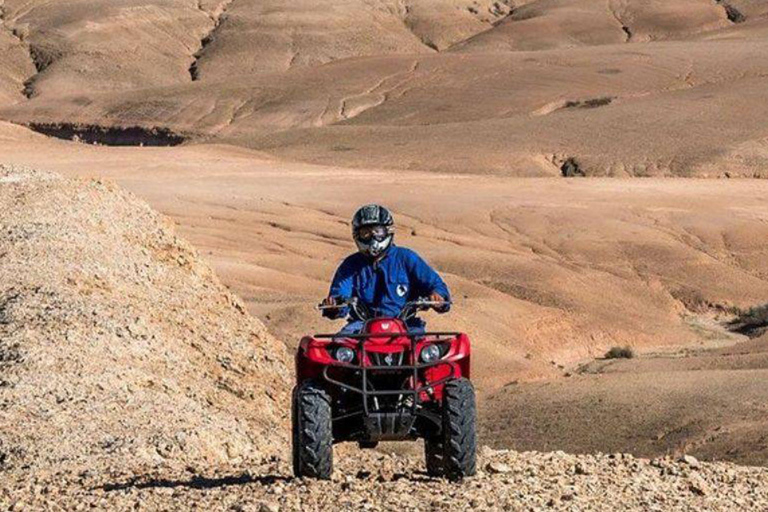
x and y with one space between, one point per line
385 384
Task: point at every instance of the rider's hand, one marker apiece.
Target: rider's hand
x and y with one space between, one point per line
329 301
334 312
436 297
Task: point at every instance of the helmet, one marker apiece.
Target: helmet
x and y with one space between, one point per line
373 230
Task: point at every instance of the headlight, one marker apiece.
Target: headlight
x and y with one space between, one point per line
430 353
344 354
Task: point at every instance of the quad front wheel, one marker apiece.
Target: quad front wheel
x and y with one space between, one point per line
312 432
459 439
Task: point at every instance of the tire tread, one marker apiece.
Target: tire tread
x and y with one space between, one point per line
312 432
459 435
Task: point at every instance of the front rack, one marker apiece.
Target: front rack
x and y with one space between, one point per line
414 367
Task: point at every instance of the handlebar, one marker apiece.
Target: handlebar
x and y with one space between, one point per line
427 303
409 309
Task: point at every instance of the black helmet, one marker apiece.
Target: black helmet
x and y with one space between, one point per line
373 229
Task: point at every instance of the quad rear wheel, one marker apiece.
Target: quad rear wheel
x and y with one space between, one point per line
312 433
458 434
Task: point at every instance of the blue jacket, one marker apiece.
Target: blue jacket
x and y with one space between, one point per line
386 286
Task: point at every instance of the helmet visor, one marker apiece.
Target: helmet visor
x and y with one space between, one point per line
367 233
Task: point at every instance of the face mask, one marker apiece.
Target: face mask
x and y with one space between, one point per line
373 247
378 246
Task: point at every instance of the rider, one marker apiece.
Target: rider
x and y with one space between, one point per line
382 275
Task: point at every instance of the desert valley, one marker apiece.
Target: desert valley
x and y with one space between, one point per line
177 184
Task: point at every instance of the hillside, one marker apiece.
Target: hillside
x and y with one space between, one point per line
120 350
542 87
542 270
708 403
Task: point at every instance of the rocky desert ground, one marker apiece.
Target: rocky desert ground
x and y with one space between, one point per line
585 174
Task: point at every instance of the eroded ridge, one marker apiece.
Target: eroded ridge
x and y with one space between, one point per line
218 17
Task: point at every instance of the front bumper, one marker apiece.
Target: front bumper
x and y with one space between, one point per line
416 401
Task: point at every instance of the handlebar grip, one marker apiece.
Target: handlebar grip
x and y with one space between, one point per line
340 303
321 307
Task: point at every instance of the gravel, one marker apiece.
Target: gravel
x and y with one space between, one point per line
377 481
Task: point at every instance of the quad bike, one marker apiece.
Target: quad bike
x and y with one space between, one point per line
385 384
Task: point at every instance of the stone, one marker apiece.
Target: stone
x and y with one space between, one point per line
697 485
498 467
269 506
691 461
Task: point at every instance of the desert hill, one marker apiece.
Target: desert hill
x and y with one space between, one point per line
120 350
619 88
542 270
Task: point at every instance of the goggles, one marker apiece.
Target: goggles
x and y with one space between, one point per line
378 233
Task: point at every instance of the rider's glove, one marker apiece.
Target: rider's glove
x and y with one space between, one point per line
436 297
332 313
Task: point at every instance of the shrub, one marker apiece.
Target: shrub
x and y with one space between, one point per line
756 315
620 353
752 322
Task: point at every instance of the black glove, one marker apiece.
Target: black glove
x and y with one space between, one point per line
332 313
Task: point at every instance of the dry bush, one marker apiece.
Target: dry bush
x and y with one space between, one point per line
620 353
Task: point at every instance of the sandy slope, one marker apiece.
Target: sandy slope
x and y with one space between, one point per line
675 108
83 47
708 403
16 66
